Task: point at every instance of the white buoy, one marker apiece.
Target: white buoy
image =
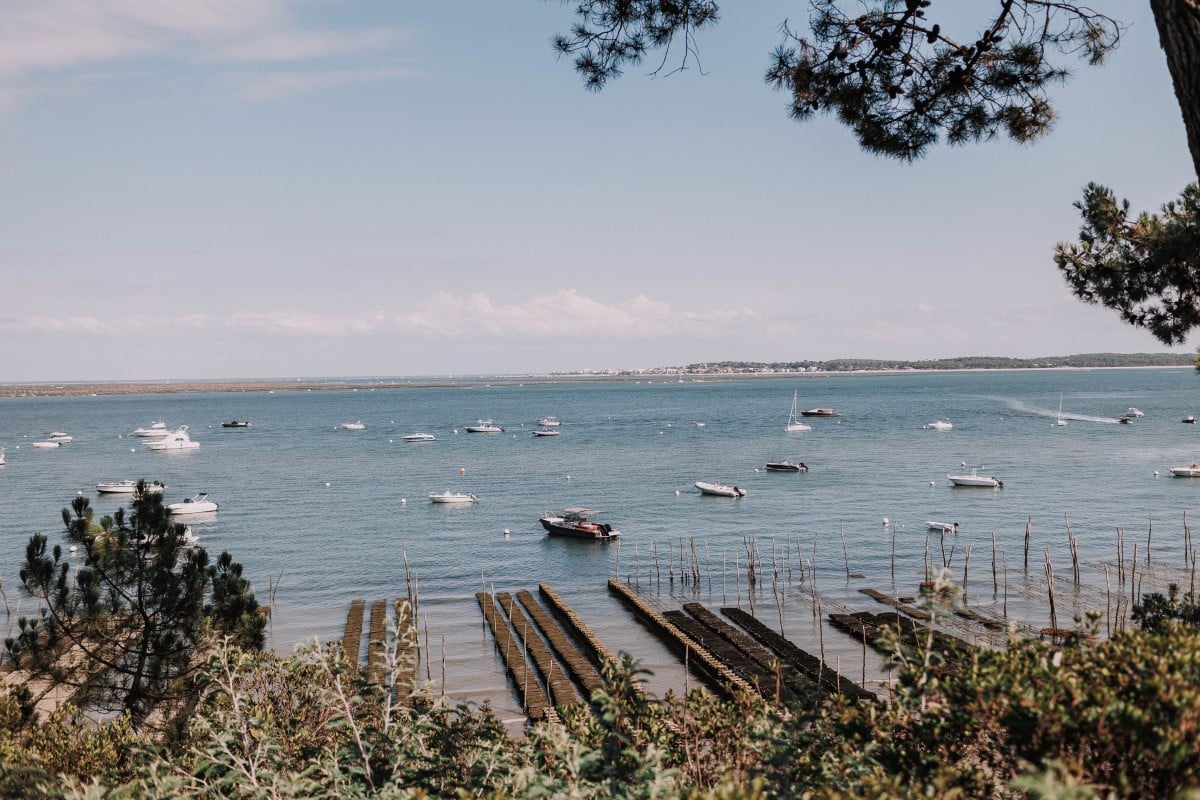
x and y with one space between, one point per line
568 477
1156 473
132 449
403 501
327 484
74 549
391 441
677 493
462 470
931 483
506 533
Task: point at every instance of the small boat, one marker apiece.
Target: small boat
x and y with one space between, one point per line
353 426
940 425
1186 472
61 438
484 426
129 487
719 489
546 432
156 429
1135 412
420 437
452 497
942 527
549 422
235 424
1125 419
574 522
197 504
819 412
177 439
1188 420
46 445
786 466
976 480
1060 422
1 456
794 425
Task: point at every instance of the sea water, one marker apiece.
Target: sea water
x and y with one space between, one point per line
331 515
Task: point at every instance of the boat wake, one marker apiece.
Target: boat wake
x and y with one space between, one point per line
1052 413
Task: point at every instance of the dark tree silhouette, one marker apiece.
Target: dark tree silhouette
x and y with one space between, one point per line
902 82
124 629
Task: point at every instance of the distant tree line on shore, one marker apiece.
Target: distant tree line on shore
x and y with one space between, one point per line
1082 360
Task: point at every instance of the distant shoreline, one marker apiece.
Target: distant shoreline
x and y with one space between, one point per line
110 388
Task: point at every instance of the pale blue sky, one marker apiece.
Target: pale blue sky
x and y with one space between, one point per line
235 188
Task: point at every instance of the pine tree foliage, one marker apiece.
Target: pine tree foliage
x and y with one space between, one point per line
122 630
1147 269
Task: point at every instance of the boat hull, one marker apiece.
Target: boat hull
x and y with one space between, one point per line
558 526
819 412
975 481
1186 472
452 498
719 490
786 466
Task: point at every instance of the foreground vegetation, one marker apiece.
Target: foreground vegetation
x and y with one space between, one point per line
1119 718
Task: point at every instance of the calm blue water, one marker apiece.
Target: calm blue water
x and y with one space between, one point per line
633 450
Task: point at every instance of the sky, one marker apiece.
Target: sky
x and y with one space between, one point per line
277 188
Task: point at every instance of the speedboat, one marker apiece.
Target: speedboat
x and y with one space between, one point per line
940 425
574 522
1125 419
549 422
484 426
452 497
545 432
235 424
130 487
1135 412
976 480
177 439
61 438
156 429
353 426
942 527
786 466
719 489
420 437
1188 420
819 412
1186 472
45 445
197 504
794 425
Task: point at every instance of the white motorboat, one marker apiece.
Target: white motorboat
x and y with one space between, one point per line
156 429
794 425
484 426
549 422
129 487
353 426
1186 472
1 456
45 445
546 432
1134 412
719 489
942 527
420 437
975 479
61 438
196 504
452 497
177 439
940 425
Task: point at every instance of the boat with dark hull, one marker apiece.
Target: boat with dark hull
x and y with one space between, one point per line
235 424
786 466
575 523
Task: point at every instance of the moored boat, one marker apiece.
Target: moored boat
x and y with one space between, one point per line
549 422
719 489
1186 472
819 412
177 439
546 432
484 426
975 479
130 487
449 497
1188 420
196 504
235 424
353 426
943 527
46 445
794 425
940 425
786 466
575 523
157 428
420 437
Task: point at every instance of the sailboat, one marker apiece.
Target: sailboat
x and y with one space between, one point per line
794 424
1060 422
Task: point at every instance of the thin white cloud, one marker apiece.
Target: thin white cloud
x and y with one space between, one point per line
44 43
563 314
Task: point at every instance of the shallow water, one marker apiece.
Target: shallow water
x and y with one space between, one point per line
334 512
